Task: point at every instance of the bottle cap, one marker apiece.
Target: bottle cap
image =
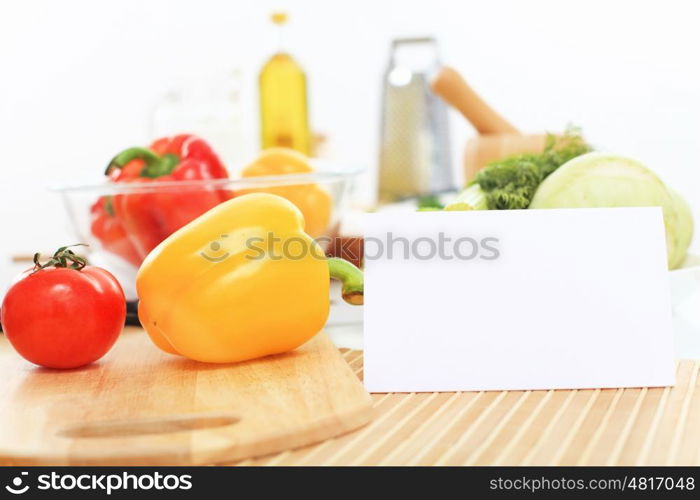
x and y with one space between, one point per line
279 17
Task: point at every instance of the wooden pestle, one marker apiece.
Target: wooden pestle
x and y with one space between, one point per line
497 137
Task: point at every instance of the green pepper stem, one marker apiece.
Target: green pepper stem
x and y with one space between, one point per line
351 277
471 198
156 166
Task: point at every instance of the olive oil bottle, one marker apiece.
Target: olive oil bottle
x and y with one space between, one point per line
283 107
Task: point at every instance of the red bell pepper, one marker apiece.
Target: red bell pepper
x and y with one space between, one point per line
151 215
109 230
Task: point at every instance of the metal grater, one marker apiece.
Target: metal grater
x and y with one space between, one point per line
415 146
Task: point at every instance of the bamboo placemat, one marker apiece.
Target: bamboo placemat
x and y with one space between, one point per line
580 427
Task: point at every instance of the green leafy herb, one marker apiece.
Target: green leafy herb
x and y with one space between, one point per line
428 203
511 183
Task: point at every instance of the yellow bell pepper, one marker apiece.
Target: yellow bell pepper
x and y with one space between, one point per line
314 202
242 281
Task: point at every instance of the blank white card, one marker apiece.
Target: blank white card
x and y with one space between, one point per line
524 299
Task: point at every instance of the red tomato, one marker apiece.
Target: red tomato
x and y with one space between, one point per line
60 317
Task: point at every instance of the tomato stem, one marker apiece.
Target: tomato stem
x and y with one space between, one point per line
63 257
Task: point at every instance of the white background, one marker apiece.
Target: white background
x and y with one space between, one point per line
78 79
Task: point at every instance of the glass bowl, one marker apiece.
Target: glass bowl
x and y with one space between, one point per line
120 249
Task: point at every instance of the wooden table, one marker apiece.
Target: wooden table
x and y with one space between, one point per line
582 427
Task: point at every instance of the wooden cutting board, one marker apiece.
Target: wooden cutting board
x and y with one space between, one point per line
140 406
